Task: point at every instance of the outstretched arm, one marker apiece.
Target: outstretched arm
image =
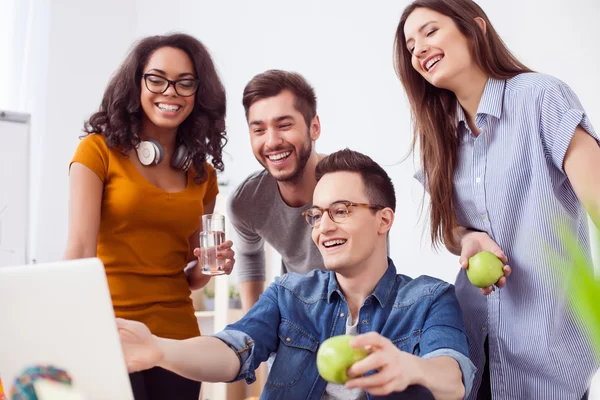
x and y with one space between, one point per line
231 354
202 358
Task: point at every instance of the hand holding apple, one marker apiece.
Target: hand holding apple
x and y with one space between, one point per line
335 356
485 269
396 370
477 242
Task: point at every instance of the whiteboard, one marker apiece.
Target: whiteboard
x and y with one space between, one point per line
14 187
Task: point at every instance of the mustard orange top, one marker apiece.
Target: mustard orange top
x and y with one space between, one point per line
143 239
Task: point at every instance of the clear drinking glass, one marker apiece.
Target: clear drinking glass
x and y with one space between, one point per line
212 235
213 223
209 245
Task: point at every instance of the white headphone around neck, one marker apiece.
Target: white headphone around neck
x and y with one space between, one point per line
151 152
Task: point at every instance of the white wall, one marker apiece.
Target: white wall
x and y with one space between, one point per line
6 48
86 41
344 48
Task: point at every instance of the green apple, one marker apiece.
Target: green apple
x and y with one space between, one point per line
485 269
335 356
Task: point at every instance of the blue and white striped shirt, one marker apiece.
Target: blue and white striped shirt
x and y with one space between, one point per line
509 182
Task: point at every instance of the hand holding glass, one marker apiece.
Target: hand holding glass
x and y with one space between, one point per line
212 236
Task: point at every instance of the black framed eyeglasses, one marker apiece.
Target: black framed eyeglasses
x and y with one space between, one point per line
337 211
157 84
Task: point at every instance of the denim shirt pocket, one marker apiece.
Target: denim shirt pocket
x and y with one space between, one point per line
297 348
408 343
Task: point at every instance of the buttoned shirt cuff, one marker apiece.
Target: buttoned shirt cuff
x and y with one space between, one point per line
243 346
466 366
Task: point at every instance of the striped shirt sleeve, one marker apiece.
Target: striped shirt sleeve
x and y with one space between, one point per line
561 113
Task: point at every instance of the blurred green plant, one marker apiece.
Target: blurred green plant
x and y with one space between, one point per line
583 291
209 293
233 292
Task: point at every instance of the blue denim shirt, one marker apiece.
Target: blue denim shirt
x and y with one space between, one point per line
298 312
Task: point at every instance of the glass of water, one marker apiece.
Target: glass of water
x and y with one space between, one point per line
212 235
213 223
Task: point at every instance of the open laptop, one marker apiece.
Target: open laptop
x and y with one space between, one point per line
61 314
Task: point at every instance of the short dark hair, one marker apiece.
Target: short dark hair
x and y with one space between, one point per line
274 81
378 185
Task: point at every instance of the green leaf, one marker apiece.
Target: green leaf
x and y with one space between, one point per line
583 292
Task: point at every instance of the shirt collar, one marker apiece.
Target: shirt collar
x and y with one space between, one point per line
490 103
382 290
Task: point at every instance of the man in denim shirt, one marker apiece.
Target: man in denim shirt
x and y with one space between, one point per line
413 329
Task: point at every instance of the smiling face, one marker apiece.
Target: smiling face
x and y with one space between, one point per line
279 137
439 51
168 109
354 241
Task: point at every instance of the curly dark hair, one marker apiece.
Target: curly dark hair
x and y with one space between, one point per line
120 114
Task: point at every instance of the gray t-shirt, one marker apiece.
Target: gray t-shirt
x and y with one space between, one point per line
258 213
334 391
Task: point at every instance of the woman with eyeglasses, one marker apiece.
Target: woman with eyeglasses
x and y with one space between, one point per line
140 181
510 160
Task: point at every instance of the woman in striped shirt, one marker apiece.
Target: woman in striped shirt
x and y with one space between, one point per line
508 156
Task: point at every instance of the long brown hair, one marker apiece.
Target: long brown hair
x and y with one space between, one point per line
120 115
434 109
